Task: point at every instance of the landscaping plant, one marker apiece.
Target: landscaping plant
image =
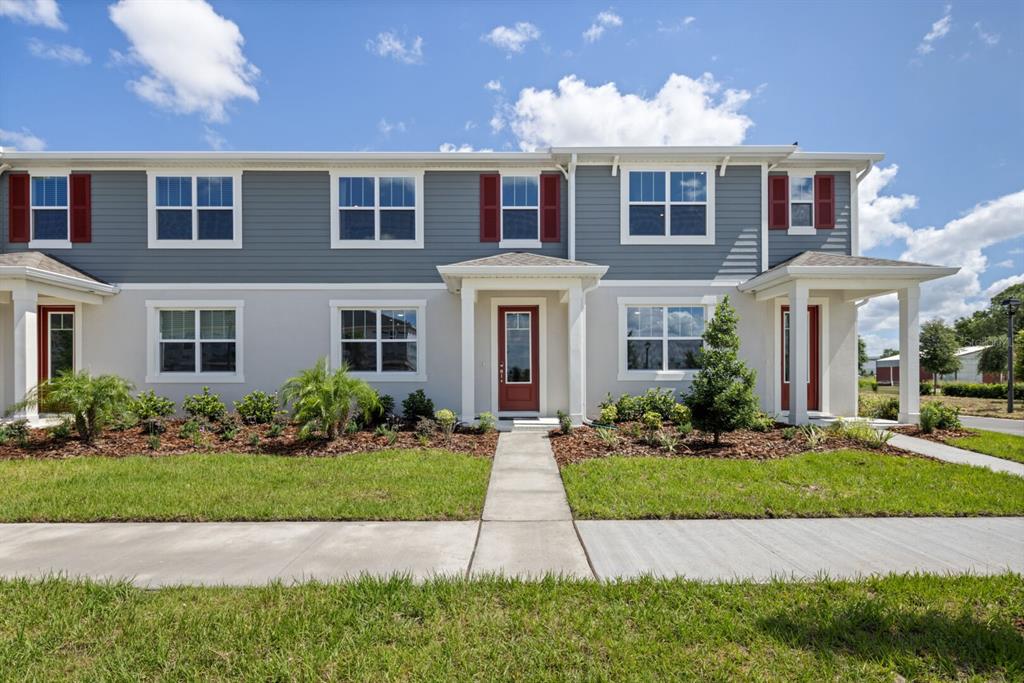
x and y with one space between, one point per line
325 401
257 407
417 405
938 349
935 415
608 436
679 415
564 423
969 390
487 422
722 397
446 420
149 405
205 406
93 402
609 414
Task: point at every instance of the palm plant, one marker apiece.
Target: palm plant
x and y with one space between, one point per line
325 401
93 402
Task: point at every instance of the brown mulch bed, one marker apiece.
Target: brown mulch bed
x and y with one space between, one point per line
134 441
938 435
584 444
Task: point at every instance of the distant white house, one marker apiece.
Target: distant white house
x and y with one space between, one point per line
887 370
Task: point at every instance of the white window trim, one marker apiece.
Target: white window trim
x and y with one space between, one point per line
626 238
517 243
195 243
33 243
420 305
624 302
800 229
376 242
153 374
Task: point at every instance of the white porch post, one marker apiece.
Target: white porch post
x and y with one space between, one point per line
910 354
468 363
577 326
26 346
798 353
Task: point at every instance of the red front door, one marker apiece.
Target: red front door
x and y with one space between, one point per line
813 358
518 359
56 338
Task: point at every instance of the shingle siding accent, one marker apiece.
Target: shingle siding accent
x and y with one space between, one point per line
782 246
285 234
735 254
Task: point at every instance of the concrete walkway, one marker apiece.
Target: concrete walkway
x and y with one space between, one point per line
959 456
994 424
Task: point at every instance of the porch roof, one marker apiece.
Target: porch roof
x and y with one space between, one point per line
519 265
40 268
861 276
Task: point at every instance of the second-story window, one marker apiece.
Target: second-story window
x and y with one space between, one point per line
49 209
376 210
195 211
801 201
668 206
520 208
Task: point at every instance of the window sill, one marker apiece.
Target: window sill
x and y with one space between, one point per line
705 240
656 375
196 378
390 376
376 244
195 244
802 230
520 244
49 244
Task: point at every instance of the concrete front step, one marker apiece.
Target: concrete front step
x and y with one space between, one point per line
534 424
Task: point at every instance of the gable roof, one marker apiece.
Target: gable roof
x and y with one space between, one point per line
520 265
40 267
824 259
521 259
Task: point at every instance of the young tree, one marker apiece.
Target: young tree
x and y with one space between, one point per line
938 349
722 397
993 358
862 355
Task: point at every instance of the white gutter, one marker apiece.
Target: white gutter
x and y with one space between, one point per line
49 277
572 208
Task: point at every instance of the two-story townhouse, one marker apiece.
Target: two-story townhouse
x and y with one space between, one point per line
516 283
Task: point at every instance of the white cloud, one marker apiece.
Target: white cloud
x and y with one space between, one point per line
38 12
469 125
193 54
676 26
497 123
386 127
493 85
881 216
999 285
990 39
388 44
604 20
59 52
214 139
449 147
685 111
1008 263
22 140
939 30
512 38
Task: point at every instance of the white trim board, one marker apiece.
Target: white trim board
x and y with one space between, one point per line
281 286
542 313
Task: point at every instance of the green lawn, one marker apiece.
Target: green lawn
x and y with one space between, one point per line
394 485
1000 445
896 628
833 484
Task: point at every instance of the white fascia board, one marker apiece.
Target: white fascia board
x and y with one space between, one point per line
847 273
49 277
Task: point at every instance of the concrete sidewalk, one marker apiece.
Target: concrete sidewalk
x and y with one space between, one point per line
994 424
951 454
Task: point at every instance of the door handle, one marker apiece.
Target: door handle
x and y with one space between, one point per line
501 373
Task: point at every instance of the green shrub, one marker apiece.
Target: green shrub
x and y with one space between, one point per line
609 415
935 415
667 442
93 402
61 430
881 408
629 408
149 405
868 383
866 435
789 433
813 435
389 434
487 422
425 427
969 390
153 425
276 429
153 442
564 422
229 427
205 405
652 421
679 415
684 429
325 401
925 388
257 407
660 401
417 405
762 422
608 436
384 412
446 420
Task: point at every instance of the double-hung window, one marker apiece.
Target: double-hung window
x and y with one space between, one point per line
520 211
660 339
379 340
801 202
196 341
376 210
667 206
195 210
49 211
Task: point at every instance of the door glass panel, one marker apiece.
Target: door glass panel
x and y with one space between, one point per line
785 349
62 342
518 358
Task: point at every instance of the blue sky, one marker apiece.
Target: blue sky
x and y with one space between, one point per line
935 86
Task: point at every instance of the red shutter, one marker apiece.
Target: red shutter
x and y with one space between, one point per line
824 201
81 207
551 207
18 207
490 207
778 202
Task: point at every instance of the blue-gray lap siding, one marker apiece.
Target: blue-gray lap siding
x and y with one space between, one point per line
782 246
285 235
735 254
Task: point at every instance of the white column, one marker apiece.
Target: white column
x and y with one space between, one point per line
25 346
798 354
468 342
577 331
910 354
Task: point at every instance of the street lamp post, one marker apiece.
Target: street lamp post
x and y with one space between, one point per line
1012 305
